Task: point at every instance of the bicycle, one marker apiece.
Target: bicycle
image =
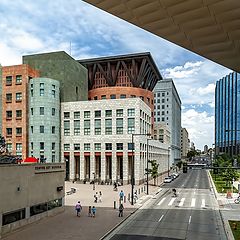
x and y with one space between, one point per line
237 200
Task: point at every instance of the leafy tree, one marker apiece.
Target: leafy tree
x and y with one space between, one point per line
229 174
153 170
179 164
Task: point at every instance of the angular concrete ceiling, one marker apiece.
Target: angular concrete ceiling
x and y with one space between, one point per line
210 28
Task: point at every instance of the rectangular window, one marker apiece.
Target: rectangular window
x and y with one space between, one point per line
97 146
18 114
108 113
53 111
18 79
163 100
53 145
119 146
9 147
66 128
97 113
53 158
130 146
31 129
66 147
41 145
108 146
8 97
103 97
9 114
19 146
76 147
119 126
76 115
76 127
86 146
41 92
131 112
11 217
119 112
86 114
66 115
108 126
19 131
41 110
86 127
41 129
41 85
131 125
53 91
53 129
123 96
31 145
9 80
97 126
113 96
18 97
31 92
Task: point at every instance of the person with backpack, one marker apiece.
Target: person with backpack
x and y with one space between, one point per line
120 214
78 208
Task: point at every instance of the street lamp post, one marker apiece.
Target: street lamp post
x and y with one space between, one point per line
132 174
147 165
168 159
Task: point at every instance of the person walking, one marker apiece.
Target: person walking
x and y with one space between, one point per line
120 214
94 211
78 208
100 196
90 211
121 196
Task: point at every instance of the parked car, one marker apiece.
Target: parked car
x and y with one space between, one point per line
167 179
176 174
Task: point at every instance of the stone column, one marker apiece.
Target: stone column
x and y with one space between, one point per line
82 167
103 166
27 212
92 165
72 165
125 167
114 166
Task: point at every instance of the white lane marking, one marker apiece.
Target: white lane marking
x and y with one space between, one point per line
171 202
193 202
189 220
162 200
203 203
160 218
181 202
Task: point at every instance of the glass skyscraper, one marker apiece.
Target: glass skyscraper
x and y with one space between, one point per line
227 115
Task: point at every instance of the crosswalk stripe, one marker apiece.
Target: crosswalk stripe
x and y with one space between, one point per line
162 200
181 202
203 203
171 202
193 202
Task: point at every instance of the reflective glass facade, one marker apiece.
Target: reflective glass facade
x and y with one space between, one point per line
227 114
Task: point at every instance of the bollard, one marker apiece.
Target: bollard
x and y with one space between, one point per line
139 191
142 189
129 197
114 205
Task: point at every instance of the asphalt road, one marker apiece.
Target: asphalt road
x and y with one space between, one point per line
193 214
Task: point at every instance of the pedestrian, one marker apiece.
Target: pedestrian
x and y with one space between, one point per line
100 196
90 211
95 198
94 211
120 214
78 208
121 196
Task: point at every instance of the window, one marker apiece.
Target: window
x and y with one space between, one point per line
119 126
158 95
41 92
108 126
97 146
31 146
119 146
163 113
108 113
53 111
133 96
41 110
18 97
87 146
167 99
19 131
76 127
163 94
41 85
41 145
163 106
86 127
103 96
66 147
18 114
66 115
18 79
8 80
9 147
86 114
31 111
163 119
19 146
108 146
131 125
53 158
131 112
53 91
41 129
76 115
123 96
66 128
31 129
31 92
9 131
119 112
98 113
8 97
97 123
76 147
53 145
9 114
130 146
163 100
95 98
113 96
11 217
53 129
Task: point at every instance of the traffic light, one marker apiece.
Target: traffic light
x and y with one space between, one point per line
215 169
184 167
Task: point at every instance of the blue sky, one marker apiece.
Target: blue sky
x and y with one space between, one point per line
28 27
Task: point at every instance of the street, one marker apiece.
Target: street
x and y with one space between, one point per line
193 214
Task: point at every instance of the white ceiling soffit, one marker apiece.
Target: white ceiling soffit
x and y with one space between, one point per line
210 28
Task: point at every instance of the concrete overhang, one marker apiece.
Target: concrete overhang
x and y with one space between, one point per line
210 28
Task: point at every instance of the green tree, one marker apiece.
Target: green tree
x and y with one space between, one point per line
179 164
153 170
